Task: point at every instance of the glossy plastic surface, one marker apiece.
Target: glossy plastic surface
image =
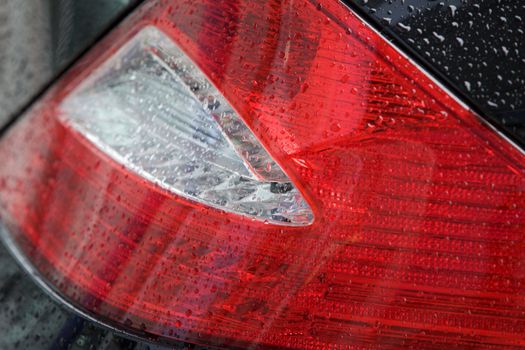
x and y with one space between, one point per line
31 319
418 237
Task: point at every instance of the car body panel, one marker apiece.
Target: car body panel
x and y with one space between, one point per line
32 319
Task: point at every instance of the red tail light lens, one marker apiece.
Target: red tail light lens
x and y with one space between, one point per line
413 225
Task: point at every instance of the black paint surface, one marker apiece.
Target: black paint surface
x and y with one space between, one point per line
478 47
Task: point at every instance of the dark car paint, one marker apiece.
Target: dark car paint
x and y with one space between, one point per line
475 47
31 319
40 39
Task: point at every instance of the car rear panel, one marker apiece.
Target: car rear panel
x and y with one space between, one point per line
474 49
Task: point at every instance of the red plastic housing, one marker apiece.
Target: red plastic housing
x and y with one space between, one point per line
418 238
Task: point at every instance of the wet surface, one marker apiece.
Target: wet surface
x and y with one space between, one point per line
476 45
31 319
38 39
419 207
353 182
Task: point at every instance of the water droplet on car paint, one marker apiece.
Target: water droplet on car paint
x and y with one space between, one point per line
404 26
452 9
438 36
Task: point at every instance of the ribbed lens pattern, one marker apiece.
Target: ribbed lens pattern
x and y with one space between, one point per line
418 238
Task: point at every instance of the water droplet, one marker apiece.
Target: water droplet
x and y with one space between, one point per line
452 9
335 127
441 38
304 87
404 27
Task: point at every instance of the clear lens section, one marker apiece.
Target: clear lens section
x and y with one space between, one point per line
150 108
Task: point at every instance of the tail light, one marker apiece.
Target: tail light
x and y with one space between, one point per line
268 175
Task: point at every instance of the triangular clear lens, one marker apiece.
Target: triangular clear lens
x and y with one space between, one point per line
151 109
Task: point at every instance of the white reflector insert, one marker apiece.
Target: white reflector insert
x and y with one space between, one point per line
151 109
